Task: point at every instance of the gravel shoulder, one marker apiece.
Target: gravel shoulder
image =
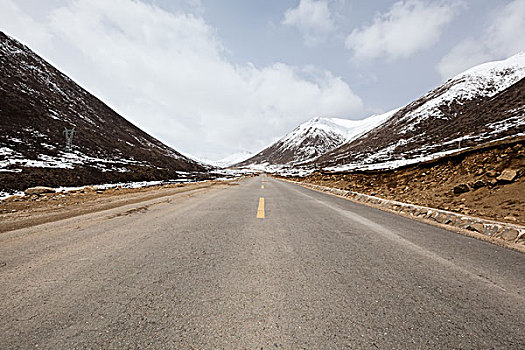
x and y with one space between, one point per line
20 212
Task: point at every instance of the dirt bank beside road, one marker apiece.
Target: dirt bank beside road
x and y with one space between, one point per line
19 212
487 182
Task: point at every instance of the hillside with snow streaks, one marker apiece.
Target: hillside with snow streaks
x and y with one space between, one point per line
37 102
482 104
312 139
485 80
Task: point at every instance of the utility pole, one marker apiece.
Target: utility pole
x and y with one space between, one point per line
69 133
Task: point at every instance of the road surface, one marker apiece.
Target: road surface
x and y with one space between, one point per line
214 270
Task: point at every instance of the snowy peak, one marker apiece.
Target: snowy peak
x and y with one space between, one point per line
344 129
314 138
485 80
314 128
510 68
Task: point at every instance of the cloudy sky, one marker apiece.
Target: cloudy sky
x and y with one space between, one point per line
211 77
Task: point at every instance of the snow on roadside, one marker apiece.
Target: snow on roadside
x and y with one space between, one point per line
397 163
185 178
282 170
137 184
5 195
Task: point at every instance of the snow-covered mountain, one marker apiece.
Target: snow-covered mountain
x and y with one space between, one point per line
314 138
37 102
482 104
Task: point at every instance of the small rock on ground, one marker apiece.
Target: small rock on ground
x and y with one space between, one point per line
38 190
508 175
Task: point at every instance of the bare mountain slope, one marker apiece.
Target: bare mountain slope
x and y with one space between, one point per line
483 104
314 138
37 102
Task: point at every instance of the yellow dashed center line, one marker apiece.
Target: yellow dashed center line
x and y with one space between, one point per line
260 210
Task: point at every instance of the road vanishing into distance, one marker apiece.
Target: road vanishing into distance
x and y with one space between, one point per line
264 264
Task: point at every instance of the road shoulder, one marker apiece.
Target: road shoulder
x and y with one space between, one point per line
22 212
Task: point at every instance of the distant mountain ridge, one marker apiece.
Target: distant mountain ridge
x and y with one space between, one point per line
230 160
37 102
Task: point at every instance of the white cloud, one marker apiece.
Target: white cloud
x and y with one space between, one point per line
408 27
169 74
13 19
312 18
504 37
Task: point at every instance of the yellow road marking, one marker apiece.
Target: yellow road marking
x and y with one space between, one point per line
262 187
260 210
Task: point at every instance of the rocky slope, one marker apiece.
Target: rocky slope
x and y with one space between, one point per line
483 104
37 102
312 139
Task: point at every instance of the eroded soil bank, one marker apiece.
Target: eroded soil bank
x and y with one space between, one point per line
487 182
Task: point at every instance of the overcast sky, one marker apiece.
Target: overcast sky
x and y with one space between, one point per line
215 77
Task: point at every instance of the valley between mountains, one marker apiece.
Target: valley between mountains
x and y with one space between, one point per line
446 150
341 234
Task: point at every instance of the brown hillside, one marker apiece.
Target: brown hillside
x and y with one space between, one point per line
440 183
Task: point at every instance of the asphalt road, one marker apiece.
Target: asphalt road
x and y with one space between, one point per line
203 271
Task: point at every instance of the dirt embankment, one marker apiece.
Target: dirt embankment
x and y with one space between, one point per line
487 182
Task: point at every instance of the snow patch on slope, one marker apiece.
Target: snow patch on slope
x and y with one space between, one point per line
64 160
